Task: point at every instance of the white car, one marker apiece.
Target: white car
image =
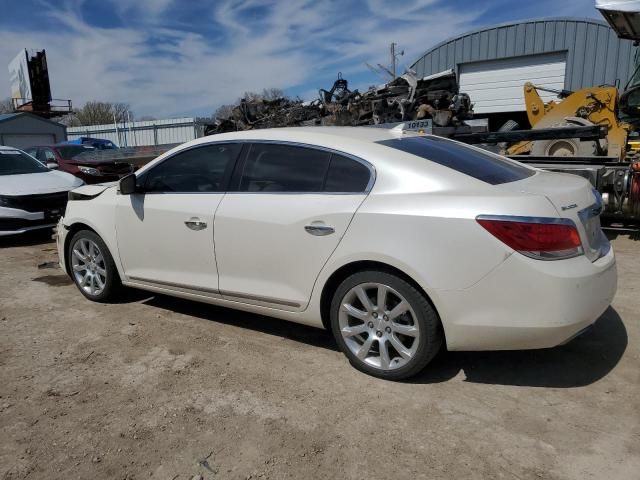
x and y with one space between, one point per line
395 242
32 197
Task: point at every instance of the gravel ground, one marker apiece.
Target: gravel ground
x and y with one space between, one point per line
156 387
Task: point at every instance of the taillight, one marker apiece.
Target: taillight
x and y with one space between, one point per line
541 238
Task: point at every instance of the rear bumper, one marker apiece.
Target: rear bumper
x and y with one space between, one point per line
526 303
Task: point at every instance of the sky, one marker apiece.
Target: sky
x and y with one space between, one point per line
172 58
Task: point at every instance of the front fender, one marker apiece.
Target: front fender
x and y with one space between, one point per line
98 214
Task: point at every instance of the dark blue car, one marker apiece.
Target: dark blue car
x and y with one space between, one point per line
98 143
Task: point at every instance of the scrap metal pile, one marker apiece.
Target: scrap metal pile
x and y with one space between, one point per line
404 98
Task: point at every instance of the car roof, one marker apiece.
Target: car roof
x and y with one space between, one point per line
360 142
65 144
357 141
363 134
58 145
4 147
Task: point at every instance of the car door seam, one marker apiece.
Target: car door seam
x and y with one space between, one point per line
213 233
313 287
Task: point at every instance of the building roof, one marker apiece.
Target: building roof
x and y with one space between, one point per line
10 116
594 55
7 116
593 21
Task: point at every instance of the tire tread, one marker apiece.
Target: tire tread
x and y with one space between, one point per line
421 305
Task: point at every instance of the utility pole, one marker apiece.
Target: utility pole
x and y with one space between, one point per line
394 56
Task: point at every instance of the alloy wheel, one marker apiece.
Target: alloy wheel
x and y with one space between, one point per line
379 326
88 265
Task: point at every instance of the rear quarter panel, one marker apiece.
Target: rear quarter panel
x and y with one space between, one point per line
435 237
432 237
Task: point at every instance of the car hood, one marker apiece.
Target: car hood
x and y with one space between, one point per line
36 183
93 162
94 190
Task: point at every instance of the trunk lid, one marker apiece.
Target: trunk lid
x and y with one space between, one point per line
574 198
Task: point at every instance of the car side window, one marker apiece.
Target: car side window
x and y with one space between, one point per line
284 168
32 151
49 156
200 169
346 175
40 156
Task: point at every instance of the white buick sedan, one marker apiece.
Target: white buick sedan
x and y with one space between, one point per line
397 243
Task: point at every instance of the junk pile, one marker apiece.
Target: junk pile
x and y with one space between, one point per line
402 99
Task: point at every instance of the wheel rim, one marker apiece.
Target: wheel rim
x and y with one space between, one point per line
561 148
379 326
89 269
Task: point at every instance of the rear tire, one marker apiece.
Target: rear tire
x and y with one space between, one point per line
507 126
384 325
92 268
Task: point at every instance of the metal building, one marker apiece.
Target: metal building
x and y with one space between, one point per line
493 63
136 134
22 130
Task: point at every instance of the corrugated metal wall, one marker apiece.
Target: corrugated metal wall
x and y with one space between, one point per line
134 134
595 55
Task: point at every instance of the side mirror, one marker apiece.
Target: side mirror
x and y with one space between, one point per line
127 185
52 165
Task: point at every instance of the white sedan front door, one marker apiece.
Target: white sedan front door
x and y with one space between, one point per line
165 232
292 207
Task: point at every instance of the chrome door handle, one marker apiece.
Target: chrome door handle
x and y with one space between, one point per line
319 230
195 224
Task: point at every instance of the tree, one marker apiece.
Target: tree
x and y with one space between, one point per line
224 111
271 94
100 113
268 94
6 106
70 120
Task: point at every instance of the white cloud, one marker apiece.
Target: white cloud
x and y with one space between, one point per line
162 71
88 63
145 7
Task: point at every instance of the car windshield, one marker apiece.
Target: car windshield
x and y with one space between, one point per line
71 151
16 162
485 166
104 145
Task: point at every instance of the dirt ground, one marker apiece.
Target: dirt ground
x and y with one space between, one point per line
156 387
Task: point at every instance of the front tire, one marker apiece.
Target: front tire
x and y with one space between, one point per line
384 325
92 268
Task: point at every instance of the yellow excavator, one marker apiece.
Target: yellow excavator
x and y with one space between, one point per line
588 106
611 163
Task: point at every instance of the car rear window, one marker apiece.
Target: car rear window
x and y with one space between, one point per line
346 175
71 151
484 166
